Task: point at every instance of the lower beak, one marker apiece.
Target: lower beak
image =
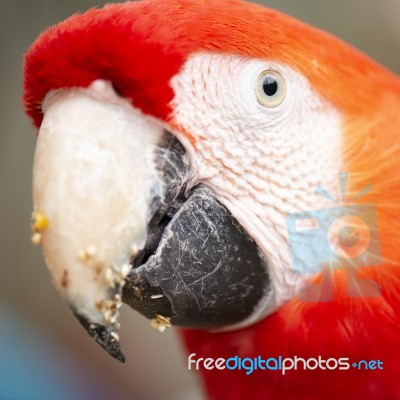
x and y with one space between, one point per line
98 182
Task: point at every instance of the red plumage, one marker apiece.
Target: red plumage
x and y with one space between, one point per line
128 44
140 47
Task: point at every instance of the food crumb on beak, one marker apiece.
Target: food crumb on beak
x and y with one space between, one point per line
39 223
134 251
37 239
125 270
109 309
88 254
157 296
161 323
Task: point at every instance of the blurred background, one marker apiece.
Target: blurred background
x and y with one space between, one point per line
44 353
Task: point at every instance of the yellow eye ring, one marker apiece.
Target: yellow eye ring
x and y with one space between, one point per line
271 89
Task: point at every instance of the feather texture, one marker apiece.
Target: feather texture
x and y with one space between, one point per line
140 47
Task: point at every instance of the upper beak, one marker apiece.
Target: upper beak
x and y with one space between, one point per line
96 186
117 223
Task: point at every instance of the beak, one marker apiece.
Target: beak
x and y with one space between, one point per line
117 223
98 182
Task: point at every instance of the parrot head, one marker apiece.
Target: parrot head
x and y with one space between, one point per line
175 138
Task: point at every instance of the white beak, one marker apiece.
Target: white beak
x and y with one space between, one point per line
94 178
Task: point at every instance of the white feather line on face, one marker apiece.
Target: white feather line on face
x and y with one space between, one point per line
262 163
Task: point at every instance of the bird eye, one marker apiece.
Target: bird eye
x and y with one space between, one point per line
271 89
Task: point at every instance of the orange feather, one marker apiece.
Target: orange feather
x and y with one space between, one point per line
367 95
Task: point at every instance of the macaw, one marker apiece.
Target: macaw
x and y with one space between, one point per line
179 144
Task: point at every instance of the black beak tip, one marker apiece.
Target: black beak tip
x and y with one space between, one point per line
105 336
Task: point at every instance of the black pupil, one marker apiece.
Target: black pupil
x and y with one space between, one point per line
270 86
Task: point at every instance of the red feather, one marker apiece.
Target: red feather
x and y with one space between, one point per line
140 47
